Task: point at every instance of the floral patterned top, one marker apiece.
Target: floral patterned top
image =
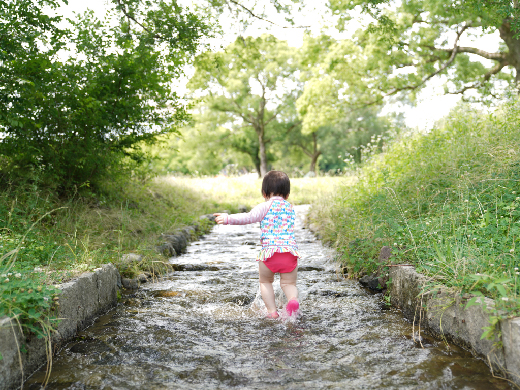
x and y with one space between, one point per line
276 217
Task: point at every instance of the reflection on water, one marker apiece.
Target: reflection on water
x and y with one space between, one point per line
204 328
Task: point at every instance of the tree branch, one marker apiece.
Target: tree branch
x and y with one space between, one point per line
131 17
486 77
239 113
454 53
490 56
293 126
260 17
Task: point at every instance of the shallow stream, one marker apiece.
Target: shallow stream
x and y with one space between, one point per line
204 328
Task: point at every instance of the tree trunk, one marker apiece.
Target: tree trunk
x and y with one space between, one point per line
314 159
263 158
257 166
513 44
315 153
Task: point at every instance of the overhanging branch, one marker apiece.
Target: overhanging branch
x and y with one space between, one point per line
485 54
486 77
454 51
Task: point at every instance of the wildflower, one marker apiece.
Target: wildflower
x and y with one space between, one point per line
518 273
465 200
18 275
6 280
45 298
517 198
30 291
474 238
4 276
9 273
505 299
511 250
469 235
514 192
505 273
516 268
395 243
491 265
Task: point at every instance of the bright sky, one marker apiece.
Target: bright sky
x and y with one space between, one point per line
432 104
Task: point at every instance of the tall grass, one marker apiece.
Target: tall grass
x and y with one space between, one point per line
448 202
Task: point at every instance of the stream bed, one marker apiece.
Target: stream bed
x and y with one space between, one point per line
205 328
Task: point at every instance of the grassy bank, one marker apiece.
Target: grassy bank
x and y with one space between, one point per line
447 202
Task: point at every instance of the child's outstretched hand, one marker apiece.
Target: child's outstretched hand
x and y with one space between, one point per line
220 218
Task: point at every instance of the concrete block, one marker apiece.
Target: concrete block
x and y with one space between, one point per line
448 318
444 314
81 300
511 340
405 292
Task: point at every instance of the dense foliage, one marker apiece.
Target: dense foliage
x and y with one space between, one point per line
404 44
75 101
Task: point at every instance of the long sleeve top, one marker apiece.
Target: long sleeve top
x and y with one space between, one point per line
276 217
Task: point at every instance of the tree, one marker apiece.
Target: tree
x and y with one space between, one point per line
72 119
409 42
252 82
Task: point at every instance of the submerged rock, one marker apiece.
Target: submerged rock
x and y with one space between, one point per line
179 241
372 282
131 284
166 249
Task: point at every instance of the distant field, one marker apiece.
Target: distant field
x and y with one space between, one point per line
246 189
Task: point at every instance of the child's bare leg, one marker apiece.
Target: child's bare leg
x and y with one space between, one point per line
266 287
288 284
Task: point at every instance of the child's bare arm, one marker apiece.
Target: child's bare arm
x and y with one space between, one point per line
220 218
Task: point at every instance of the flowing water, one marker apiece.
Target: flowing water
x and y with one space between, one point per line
204 328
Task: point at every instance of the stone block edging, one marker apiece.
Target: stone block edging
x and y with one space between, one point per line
445 316
80 301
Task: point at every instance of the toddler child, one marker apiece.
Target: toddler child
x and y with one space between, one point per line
279 252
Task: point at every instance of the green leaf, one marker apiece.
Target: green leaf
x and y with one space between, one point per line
472 302
502 290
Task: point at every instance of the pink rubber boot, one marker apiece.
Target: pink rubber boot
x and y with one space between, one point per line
292 306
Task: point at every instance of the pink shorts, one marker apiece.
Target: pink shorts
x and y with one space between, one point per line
281 262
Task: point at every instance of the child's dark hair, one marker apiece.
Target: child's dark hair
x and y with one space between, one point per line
276 183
